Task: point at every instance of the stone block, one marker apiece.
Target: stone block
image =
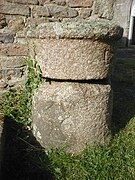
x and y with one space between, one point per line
2 21
13 49
15 9
102 31
104 8
6 38
80 3
16 24
84 12
54 10
12 73
71 114
73 59
34 22
24 1
59 2
12 61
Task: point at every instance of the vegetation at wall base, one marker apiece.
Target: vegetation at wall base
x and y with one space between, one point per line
17 103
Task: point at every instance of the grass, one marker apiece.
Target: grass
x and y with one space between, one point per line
113 162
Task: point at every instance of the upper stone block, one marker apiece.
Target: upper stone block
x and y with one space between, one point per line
73 59
75 51
76 30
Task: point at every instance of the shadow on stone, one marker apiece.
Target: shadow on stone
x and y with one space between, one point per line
23 157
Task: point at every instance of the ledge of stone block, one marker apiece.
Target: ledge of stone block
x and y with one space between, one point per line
75 30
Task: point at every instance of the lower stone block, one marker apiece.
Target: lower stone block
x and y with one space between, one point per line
72 114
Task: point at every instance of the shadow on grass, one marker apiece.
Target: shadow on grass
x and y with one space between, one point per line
23 157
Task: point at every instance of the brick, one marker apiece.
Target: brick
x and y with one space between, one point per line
85 12
41 11
59 2
15 9
33 22
6 38
43 2
9 73
12 62
23 1
13 49
16 24
55 11
2 21
80 3
104 9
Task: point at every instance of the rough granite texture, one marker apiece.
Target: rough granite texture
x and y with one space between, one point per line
73 59
75 30
72 115
104 8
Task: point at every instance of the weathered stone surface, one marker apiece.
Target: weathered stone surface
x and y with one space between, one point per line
122 12
12 73
23 1
77 30
59 2
53 10
84 13
34 22
3 84
43 2
12 62
13 49
6 38
73 59
104 8
16 24
80 3
71 114
2 21
14 9
103 31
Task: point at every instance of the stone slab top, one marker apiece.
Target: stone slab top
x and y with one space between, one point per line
76 30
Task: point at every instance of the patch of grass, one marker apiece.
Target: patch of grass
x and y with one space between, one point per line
115 161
